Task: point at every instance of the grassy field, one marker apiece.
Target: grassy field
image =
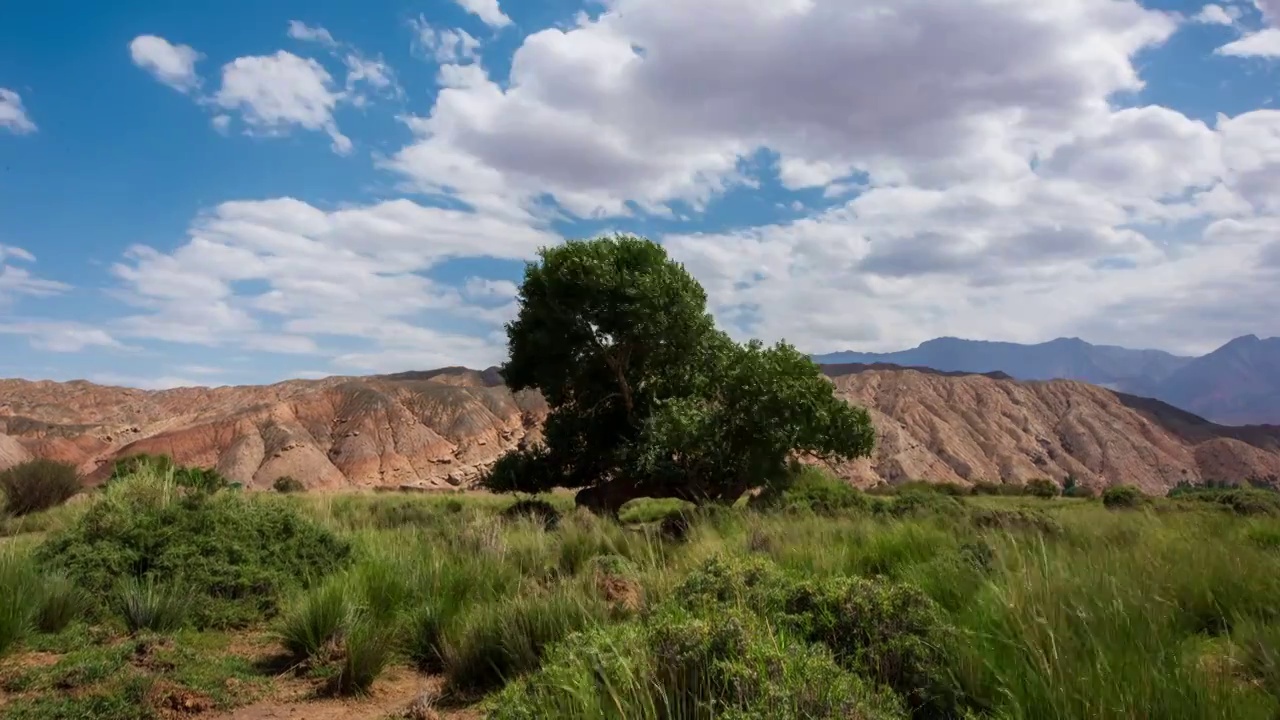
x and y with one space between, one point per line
147 601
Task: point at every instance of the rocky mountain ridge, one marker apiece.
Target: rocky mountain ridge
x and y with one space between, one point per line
1237 384
442 429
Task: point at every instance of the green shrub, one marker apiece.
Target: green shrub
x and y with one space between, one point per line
535 509
916 502
1012 489
288 484
1014 519
1119 497
1042 488
37 485
236 555
1083 492
19 589
146 605
812 489
366 650
496 642
888 632
59 603
309 629
142 463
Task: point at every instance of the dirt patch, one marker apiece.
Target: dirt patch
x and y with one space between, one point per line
174 701
392 696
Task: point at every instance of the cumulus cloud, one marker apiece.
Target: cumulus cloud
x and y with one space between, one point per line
274 92
299 30
1217 15
173 65
444 45
1264 43
997 188
647 105
13 116
356 274
486 10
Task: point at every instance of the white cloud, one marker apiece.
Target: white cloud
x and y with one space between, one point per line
59 336
221 123
299 30
376 73
444 45
349 276
1217 15
274 92
163 382
486 10
16 281
1264 43
173 65
13 116
647 104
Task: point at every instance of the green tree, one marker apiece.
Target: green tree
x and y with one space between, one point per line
647 397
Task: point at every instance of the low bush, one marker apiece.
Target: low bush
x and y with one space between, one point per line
496 642
1119 497
812 489
366 650
236 556
37 485
741 639
983 487
288 484
19 588
59 603
1014 519
917 502
1239 500
310 628
540 511
144 604
1042 488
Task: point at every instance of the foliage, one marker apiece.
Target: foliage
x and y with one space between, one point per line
316 621
1015 519
366 650
498 642
812 489
144 604
541 511
236 555
287 484
1239 500
37 485
921 502
1122 496
19 588
990 488
647 398
1042 488
59 603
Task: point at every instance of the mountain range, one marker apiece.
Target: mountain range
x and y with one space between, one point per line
1237 384
441 429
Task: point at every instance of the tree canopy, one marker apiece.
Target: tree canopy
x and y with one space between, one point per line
647 398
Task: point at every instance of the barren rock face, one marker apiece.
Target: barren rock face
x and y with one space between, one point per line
329 434
443 428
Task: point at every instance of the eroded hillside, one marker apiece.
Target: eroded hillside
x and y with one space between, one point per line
441 429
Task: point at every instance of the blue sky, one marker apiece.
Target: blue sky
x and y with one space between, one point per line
243 192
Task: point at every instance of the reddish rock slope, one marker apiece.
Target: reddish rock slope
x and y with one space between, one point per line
442 428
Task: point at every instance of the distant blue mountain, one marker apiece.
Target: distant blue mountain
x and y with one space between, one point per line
1070 358
1236 384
